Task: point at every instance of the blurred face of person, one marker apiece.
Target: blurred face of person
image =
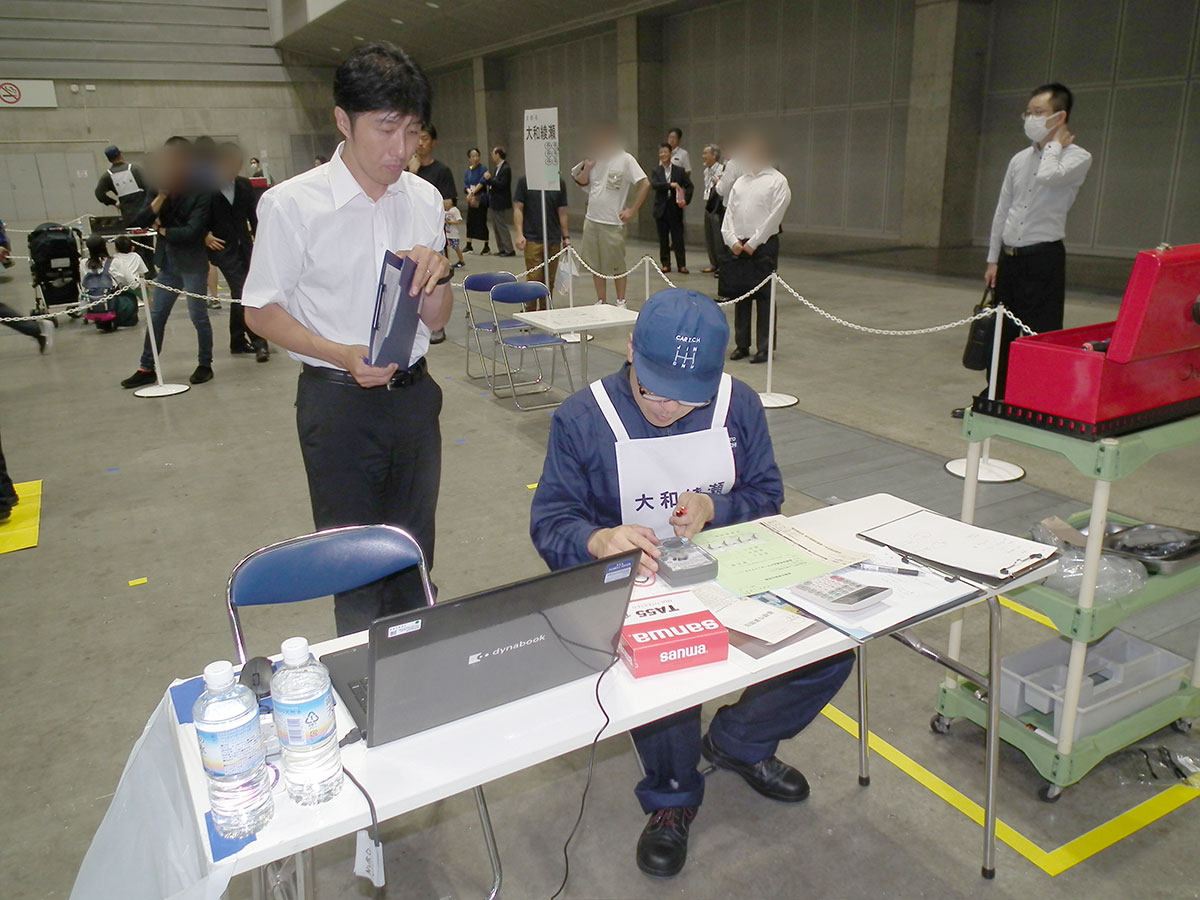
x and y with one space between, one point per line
673 139
473 158
231 165
664 155
379 145
175 163
708 156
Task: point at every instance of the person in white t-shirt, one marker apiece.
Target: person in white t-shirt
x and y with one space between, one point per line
127 267
607 175
369 433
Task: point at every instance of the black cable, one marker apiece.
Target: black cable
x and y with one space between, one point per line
370 805
587 783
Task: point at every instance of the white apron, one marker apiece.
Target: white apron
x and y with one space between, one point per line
123 182
653 472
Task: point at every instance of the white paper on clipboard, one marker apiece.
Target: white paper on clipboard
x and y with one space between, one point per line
394 328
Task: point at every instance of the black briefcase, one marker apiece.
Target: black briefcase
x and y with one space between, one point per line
977 355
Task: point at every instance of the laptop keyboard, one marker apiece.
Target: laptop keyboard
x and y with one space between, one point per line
359 690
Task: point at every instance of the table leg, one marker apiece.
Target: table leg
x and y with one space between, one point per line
1087 597
864 758
970 486
993 739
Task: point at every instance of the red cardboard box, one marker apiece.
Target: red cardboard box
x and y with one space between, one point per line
671 632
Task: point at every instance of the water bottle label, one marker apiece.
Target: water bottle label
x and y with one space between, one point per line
305 724
234 751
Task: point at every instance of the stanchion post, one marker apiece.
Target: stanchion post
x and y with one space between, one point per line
771 399
646 260
161 389
570 278
992 471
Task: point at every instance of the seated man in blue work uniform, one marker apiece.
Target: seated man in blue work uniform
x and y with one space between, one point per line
671 445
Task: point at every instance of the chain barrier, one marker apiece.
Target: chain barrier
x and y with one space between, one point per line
646 260
71 310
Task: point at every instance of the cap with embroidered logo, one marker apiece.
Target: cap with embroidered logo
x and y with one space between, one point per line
679 345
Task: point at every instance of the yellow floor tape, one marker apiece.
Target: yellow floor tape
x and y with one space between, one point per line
21 529
1052 862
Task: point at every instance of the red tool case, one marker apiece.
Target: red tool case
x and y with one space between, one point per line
1150 373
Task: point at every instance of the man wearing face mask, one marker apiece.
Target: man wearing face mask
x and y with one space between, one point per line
669 445
1026 259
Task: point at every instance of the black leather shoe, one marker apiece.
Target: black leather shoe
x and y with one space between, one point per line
235 349
759 357
139 378
662 848
739 353
437 337
957 412
771 777
262 353
201 375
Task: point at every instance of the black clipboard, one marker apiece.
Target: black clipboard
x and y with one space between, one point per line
394 327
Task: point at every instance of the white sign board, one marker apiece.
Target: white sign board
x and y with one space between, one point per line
541 149
21 92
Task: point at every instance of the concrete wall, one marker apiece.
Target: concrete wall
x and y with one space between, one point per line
1134 66
831 77
50 159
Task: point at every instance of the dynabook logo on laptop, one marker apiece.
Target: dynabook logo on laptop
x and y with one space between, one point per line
500 651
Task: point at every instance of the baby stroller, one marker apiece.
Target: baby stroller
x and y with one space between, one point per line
54 264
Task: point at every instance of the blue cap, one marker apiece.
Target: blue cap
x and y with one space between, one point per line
111 152
679 345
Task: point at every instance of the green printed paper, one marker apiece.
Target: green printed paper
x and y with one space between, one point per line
752 558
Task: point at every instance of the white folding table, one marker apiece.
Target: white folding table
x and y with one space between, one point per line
584 320
410 773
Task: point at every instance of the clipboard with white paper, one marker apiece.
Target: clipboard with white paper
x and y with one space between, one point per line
958 548
394 327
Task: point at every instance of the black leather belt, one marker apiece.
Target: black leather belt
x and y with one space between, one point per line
1031 249
403 378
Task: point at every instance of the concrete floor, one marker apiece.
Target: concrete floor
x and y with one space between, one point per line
203 478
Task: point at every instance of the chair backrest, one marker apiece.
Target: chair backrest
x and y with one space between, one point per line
520 292
485 281
319 564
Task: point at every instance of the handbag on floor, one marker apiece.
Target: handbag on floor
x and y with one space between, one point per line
977 355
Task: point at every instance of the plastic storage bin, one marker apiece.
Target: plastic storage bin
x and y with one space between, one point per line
1122 675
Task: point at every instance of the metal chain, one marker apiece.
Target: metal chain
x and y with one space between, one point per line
81 307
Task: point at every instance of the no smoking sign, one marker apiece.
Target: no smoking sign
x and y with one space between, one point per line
9 93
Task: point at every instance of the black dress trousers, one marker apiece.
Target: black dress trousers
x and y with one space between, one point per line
373 456
1033 286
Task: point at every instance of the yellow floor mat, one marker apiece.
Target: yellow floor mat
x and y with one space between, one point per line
21 529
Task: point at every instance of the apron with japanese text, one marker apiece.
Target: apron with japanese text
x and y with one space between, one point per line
123 182
653 472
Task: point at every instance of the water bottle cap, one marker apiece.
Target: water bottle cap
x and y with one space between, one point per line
295 651
218 675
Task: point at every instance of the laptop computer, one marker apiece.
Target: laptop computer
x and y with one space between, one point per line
429 666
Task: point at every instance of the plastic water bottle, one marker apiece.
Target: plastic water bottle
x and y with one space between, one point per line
231 749
304 720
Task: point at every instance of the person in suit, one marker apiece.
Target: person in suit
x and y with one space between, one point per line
672 192
499 181
232 223
179 212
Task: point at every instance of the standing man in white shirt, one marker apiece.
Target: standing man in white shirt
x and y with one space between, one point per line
369 435
607 176
1026 259
755 207
714 207
679 156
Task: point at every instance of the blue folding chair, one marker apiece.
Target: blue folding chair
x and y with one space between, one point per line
519 294
317 565
483 283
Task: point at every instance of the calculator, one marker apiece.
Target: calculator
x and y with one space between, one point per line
683 562
839 593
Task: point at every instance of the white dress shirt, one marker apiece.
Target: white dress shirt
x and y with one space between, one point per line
731 171
755 207
680 157
1039 189
711 174
320 244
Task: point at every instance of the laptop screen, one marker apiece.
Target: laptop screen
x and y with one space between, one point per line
441 663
